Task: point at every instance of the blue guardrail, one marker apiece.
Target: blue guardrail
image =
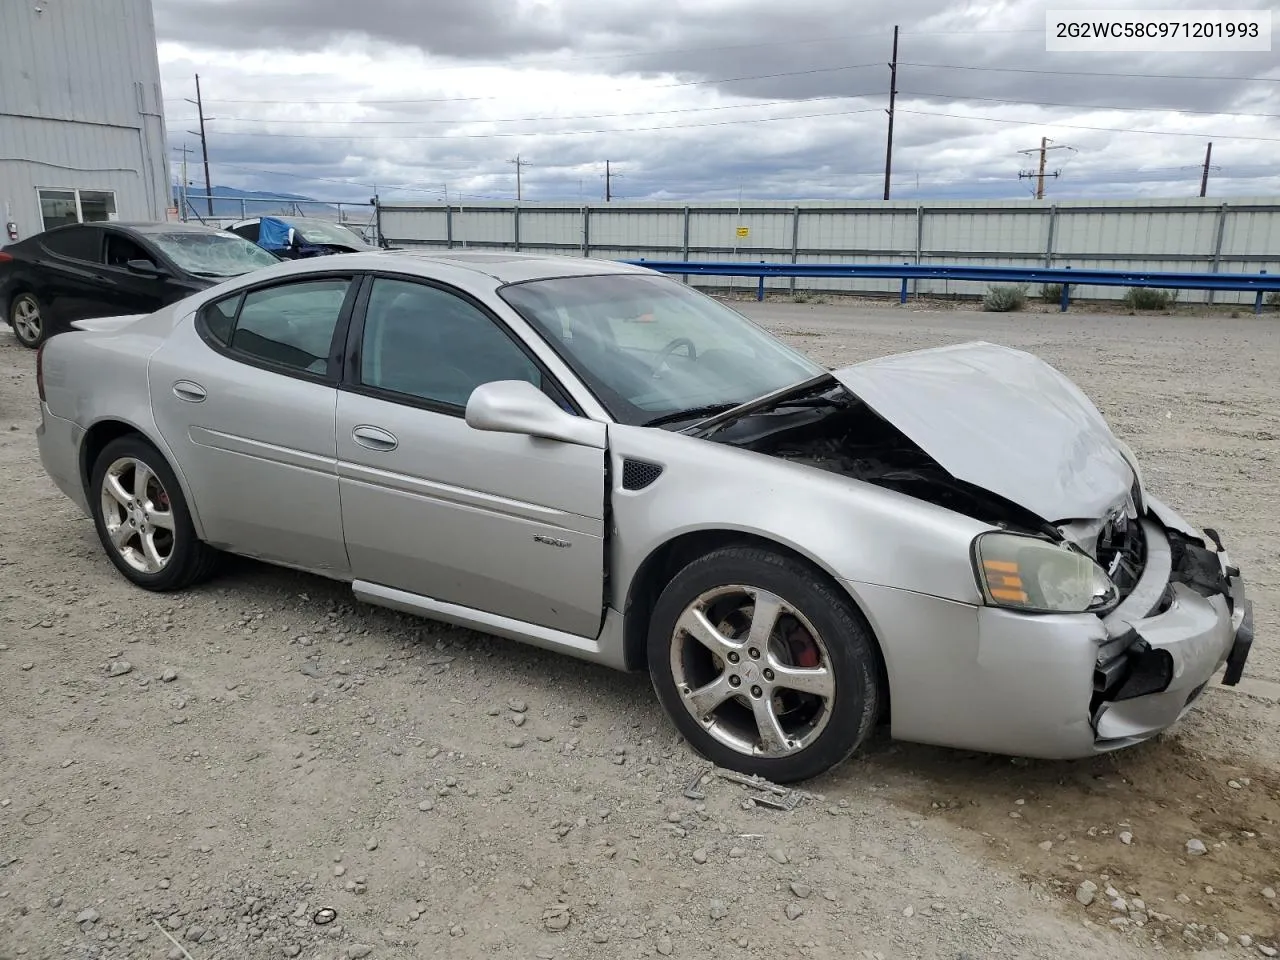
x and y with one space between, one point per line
1256 283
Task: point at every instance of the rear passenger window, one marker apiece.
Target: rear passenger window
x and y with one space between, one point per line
292 324
76 243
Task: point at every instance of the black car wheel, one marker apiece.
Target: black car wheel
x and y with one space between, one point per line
765 666
27 320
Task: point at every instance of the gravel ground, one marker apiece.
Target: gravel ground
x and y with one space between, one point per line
216 767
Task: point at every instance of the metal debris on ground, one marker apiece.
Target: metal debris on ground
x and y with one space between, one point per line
770 794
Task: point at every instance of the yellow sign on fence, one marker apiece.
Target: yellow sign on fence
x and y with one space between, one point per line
744 232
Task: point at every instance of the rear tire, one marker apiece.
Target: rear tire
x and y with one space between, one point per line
142 518
26 317
765 666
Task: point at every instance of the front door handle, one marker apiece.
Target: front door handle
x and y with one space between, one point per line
189 391
374 438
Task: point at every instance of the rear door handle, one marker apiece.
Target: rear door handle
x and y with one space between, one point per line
189 391
374 438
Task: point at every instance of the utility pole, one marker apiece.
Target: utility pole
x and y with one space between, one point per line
1204 175
182 190
1040 174
519 163
609 177
204 144
893 95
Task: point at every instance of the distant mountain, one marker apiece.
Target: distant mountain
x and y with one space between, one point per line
227 202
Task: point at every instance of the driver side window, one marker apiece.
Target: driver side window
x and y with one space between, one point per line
423 342
120 250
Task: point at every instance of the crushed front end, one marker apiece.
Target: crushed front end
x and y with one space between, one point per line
1184 617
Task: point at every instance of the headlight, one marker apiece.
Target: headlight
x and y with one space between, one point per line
1025 573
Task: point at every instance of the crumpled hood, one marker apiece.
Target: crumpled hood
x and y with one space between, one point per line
1004 420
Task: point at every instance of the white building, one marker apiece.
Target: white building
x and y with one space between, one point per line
82 132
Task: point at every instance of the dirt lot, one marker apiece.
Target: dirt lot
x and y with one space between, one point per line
273 749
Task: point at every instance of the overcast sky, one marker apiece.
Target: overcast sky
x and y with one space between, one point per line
708 99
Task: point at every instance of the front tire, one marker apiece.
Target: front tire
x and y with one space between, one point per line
142 518
765 667
27 319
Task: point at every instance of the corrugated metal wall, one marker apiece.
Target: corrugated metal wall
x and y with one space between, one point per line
81 106
1210 235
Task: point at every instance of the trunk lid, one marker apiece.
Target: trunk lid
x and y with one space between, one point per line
1006 421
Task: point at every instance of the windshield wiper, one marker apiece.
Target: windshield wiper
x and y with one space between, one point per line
694 413
820 401
206 273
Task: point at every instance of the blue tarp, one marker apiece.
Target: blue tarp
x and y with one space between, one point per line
273 234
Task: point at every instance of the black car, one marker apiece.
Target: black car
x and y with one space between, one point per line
111 269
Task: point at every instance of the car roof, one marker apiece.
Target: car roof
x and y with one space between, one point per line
508 267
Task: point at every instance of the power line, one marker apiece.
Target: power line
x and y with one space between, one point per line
963 98
544 133
587 116
654 86
1077 126
656 51
1089 73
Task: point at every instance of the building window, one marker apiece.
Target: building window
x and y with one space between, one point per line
61 207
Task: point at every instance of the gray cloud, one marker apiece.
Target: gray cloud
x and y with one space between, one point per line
702 154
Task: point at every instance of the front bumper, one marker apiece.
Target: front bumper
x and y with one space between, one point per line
1166 641
1061 686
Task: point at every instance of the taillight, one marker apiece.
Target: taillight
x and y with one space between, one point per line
40 370
5 257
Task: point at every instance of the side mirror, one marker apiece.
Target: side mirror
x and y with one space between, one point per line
144 268
517 406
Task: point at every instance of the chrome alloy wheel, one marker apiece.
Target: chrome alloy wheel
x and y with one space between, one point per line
26 318
753 671
138 516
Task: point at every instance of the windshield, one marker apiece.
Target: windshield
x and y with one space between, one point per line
213 254
333 234
651 348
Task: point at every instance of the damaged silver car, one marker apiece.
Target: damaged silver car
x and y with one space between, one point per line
598 460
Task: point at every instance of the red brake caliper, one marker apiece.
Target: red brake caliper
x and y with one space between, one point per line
803 650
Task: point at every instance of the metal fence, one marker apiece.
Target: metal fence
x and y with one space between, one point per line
360 217
1061 279
1198 235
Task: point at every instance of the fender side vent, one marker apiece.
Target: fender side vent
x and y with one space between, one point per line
636 474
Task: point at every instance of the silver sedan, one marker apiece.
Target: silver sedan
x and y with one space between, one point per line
598 460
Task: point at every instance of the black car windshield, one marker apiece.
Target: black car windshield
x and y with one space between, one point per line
330 234
651 348
213 254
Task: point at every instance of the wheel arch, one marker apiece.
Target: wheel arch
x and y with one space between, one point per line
103 431
666 560
20 286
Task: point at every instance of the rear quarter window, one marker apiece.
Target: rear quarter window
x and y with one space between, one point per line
76 243
219 317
